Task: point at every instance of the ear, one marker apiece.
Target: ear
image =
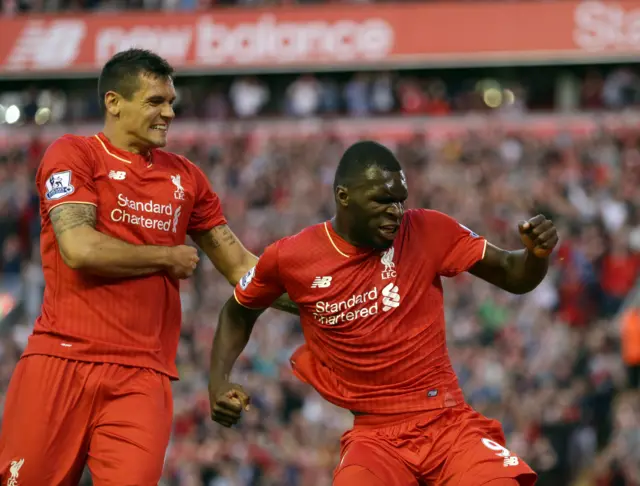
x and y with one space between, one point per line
113 103
342 196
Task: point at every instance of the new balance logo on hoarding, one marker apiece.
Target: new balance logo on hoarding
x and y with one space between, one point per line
47 45
321 282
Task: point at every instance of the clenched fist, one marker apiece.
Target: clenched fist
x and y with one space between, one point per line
182 261
228 401
539 235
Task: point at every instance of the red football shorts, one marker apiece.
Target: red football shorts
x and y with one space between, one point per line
60 415
447 447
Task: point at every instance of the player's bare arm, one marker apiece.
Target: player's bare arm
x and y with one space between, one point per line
520 271
233 260
227 399
84 248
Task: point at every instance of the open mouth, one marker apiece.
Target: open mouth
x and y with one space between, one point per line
389 230
160 128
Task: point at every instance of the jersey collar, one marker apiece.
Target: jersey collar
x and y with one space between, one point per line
340 245
122 155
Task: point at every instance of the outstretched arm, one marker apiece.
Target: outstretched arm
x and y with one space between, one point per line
233 260
520 271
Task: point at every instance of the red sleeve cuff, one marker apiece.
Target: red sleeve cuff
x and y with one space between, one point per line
239 301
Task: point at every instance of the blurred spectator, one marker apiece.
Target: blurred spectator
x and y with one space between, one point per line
330 91
304 96
356 95
619 272
248 97
621 89
412 98
591 95
382 97
435 102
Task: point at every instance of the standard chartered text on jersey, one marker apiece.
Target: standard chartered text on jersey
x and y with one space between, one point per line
123 216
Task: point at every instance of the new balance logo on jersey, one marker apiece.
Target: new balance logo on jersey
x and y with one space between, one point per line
14 471
511 461
117 175
389 267
390 297
502 452
321 282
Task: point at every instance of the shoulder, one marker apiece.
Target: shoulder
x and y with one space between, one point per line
300 246
69 143
427 218
67 154
175 161
433 227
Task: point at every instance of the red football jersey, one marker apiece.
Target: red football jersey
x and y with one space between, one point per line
373 320
153 200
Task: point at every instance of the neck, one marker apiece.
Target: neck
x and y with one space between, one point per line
341 226
122 140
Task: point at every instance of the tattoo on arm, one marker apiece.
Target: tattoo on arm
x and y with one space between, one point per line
217 236
68 216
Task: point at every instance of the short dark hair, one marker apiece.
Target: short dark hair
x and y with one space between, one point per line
361 156
121 73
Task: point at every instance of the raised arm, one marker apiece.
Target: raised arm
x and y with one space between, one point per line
233 260
520 271
84 248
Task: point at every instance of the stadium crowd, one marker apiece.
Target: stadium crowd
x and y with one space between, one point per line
547 365
411 93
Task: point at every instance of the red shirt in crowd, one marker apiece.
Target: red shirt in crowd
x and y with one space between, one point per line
373 320
619 273
153 200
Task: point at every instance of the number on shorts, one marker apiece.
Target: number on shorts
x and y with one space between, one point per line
494 446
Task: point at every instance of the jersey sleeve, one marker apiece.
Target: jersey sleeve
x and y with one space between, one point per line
207 210
462 247
454 247
262 285
66 175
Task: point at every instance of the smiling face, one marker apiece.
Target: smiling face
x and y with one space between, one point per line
374 206
144 117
